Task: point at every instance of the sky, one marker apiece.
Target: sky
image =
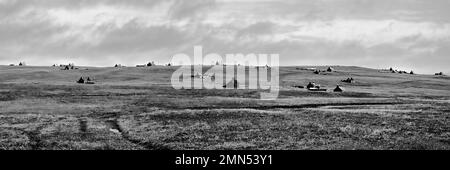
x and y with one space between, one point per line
404 34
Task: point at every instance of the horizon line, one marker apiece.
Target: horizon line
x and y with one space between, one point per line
135 66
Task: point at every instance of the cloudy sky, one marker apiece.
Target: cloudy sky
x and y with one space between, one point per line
408 34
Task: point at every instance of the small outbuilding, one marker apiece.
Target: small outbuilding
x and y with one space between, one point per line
81 80
330 69
348 80
311 85
233 84
439 74
314 87
338 89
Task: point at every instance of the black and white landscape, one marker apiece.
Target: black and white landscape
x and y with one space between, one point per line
96 74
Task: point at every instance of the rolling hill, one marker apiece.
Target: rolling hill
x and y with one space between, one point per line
136 108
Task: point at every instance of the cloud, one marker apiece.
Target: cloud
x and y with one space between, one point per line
186 9
353 32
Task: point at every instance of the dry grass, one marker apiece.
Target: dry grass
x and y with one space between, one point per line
133 108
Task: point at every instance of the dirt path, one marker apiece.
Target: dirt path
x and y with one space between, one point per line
113 125
302 106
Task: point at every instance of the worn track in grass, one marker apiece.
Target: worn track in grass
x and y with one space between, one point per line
113 123
302 106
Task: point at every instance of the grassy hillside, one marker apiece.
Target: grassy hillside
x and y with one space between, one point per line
136 108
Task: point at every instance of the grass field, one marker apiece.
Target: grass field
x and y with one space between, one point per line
136 108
